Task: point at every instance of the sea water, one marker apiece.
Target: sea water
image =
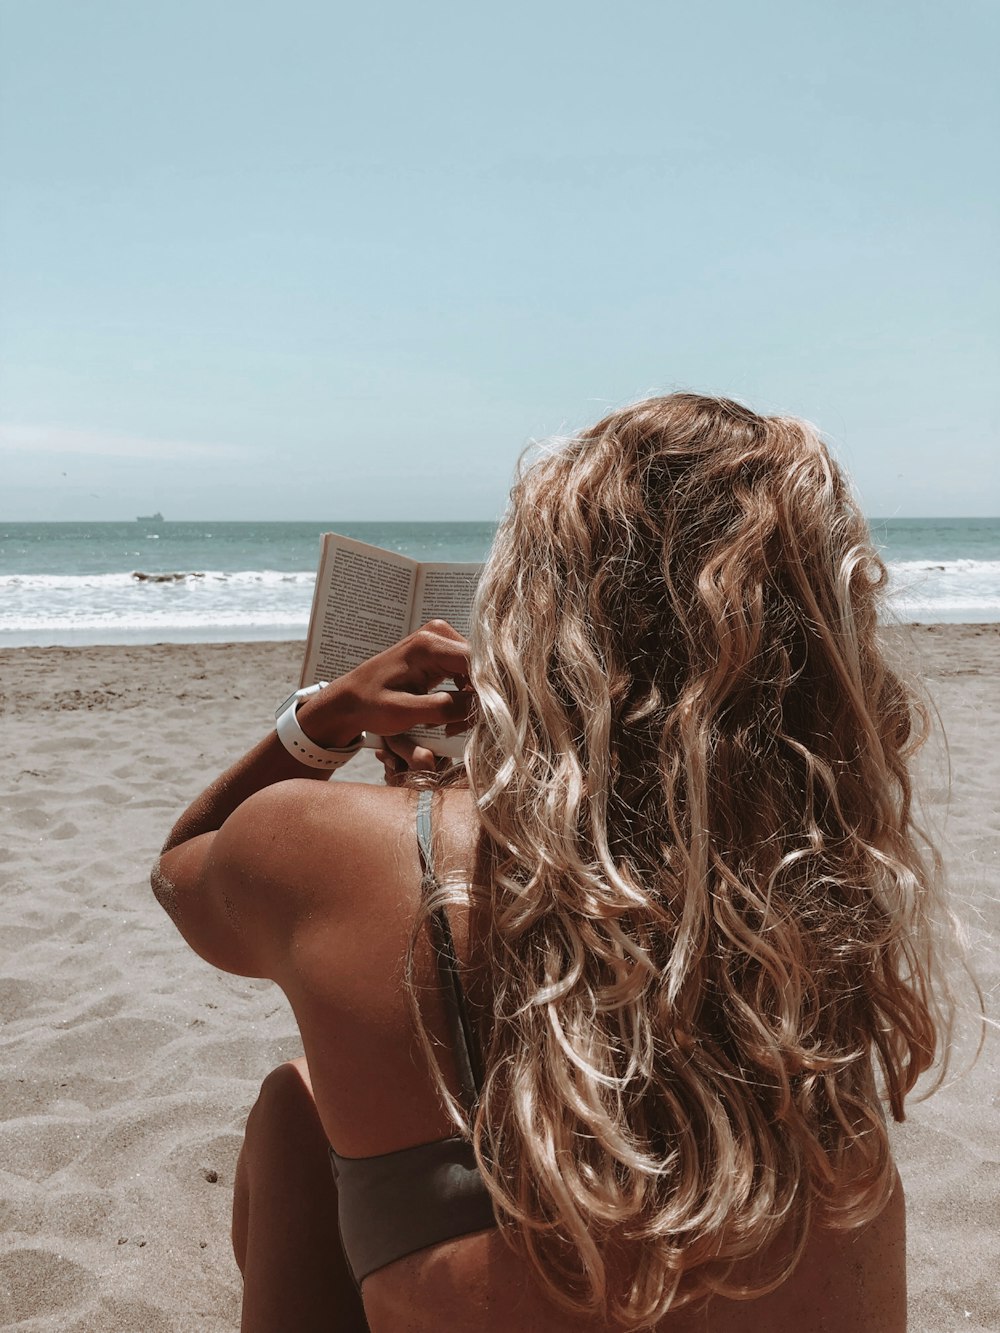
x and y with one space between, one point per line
150 582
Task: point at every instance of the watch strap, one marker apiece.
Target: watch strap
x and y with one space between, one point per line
297 743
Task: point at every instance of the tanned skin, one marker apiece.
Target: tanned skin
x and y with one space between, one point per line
275 872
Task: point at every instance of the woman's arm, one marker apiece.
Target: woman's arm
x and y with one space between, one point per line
216 875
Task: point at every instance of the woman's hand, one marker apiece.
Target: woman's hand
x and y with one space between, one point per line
395 691
400 755
387 694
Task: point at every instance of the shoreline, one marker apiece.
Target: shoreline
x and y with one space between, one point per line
127 1065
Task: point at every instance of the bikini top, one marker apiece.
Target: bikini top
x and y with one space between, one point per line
400 1202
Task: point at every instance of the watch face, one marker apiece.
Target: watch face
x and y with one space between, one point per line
286 704
300 694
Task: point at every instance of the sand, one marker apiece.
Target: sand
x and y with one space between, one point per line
127 1065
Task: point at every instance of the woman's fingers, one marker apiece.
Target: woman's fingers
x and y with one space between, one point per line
396 690
394 768
439 650
439 708
399 688
417 758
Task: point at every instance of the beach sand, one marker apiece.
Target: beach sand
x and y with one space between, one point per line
128 1065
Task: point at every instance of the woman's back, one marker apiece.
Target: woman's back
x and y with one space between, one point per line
844 1281
842 1284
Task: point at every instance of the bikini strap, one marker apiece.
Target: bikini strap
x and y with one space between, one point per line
466 1047
424 799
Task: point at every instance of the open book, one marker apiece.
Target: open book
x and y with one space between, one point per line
367 599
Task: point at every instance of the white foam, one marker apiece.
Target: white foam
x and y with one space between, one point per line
975 568
256 603
192 603
70 582
945 589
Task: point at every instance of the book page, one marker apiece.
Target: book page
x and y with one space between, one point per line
362 605
445 592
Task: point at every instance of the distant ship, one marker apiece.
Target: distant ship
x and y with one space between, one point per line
150 518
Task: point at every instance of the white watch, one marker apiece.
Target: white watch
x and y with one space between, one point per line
295 740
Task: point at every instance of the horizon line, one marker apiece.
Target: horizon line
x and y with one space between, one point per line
427 522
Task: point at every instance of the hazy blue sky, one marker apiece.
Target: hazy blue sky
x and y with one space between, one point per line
311 260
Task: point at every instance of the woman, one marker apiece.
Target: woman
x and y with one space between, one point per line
598 1051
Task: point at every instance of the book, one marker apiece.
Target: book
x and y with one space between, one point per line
366 599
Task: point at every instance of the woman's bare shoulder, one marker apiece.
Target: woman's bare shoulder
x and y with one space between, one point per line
297 827
324 847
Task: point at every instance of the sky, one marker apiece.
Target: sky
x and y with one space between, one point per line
328 262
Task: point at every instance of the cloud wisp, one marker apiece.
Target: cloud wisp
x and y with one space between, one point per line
36 440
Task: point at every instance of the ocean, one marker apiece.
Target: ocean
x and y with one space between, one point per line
154 582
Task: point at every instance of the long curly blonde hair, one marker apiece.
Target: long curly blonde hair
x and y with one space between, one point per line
708 910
